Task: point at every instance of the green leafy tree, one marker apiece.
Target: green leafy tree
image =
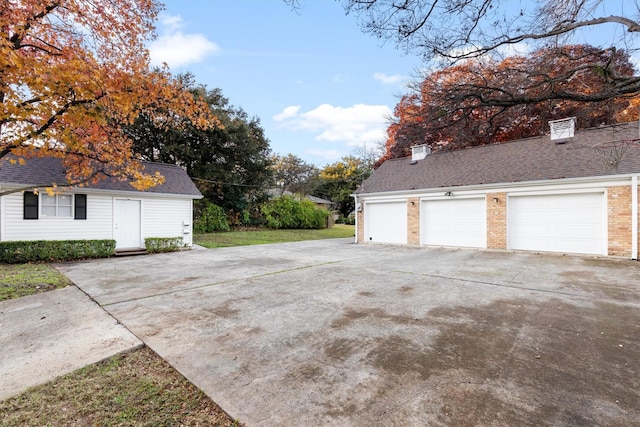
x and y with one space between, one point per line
341 179
291 173
229 163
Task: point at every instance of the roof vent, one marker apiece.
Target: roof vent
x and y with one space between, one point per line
419 152
562 129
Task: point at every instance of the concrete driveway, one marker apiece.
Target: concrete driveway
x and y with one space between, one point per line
333 333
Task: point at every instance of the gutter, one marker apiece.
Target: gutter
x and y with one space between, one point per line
634 217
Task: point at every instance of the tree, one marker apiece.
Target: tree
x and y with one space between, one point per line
291 173
72 73
229 162
448 31
341 179
453 107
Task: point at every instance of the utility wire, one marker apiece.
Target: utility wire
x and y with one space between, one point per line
226 183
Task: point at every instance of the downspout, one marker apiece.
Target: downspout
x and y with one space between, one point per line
634 217
355 204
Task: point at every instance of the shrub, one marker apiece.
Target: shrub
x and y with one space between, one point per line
163 244
209 218
286 212
348 220
20 252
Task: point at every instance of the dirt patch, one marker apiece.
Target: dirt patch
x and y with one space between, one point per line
405 290
366 294
610 263
600 285
341 349
224 310
511 362
351 316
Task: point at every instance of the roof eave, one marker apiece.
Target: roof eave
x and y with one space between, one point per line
131 193
577 180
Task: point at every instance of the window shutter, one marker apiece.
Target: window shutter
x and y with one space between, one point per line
30 204
80 206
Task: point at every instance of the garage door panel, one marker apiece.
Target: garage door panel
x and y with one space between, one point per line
454 222
571 223
386 222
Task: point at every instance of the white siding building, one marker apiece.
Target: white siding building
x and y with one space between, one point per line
107 210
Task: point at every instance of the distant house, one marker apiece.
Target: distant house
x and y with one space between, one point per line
575 191
110 209
318 201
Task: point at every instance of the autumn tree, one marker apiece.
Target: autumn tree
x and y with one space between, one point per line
291 173
444 32
72 73
461 106
229 163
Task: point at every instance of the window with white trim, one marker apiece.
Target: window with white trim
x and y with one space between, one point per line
58 205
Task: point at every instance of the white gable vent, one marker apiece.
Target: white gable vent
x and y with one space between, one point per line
563 128
419 152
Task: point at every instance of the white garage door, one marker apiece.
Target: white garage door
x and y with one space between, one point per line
572 223
454 222
385 222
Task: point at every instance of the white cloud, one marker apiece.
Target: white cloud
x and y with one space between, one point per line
516 49
389 80
171 22
176 48
353 125
290 111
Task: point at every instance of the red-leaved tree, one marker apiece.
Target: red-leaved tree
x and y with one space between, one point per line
472 103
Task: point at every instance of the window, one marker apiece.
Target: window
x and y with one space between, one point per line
30 205
80 207
59 205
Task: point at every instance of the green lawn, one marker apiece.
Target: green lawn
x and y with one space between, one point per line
135 388
262 236
18 280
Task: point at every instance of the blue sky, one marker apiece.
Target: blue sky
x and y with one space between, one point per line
319 86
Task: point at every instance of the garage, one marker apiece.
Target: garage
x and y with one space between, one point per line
386 222
454 222
568 223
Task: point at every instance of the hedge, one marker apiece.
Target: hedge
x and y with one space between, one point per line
20 252
209 218
286 212
163 244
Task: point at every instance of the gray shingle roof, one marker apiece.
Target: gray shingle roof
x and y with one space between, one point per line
592 152
47 170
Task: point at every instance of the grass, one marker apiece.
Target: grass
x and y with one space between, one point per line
135 388
262 236
18 280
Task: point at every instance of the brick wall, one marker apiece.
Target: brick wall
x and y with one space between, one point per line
497 221
360 221
619 220
413 221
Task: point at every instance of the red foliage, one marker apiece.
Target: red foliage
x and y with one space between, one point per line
484 101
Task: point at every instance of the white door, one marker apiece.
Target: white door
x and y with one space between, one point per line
385 222
127 228
569 223
454 222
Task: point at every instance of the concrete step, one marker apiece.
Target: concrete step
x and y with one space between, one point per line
131 252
